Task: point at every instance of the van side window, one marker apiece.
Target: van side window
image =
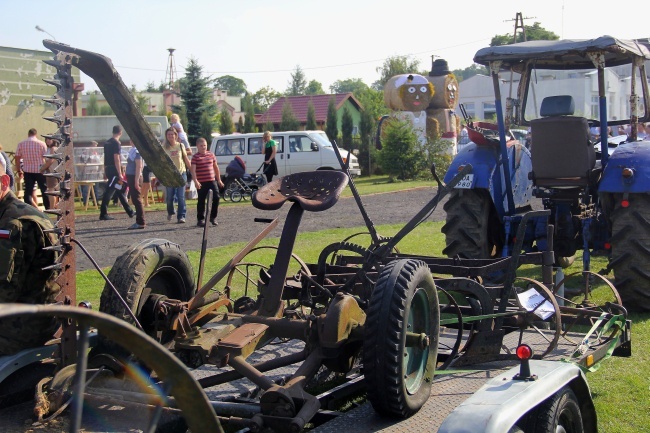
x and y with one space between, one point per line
299 143
230 147
255 146
280 141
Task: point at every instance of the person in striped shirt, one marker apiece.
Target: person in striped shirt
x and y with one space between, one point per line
31 152
206 175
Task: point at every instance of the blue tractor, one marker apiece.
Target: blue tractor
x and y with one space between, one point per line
599 200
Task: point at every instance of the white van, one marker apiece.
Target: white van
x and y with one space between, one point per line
297 151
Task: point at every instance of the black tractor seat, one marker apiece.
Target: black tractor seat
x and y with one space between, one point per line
315 191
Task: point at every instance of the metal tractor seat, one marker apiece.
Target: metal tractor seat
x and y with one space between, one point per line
315 191
562 155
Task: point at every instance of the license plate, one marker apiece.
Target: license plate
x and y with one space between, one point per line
466 182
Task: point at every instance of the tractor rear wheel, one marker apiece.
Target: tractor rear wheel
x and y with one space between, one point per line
472 227
631 250
401 344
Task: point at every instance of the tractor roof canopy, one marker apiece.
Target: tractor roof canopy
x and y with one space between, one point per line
563 54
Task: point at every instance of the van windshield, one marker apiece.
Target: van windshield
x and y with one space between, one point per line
320 138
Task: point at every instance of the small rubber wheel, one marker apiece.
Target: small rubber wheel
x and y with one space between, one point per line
558 414
401 343
236 196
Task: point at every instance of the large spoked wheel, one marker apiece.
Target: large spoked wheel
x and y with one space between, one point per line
559 414
631 250
401 343
145 276
472 228
172 377
545 319
252 270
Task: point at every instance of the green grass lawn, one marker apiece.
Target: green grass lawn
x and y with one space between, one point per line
621 387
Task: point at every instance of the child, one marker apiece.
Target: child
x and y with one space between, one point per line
207 177
182 136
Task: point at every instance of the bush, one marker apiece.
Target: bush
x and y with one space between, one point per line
402 155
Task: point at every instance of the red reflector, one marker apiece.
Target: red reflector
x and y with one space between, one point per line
524 352
625 203
608 246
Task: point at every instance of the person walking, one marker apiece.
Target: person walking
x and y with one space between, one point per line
270 148
176 152
134 164
31 152
47 167
113 172
25 235
207 177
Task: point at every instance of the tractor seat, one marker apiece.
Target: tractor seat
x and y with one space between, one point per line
561 152
315 191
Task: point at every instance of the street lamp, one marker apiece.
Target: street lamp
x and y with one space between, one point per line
40 29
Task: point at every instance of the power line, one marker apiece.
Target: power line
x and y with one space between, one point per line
312 67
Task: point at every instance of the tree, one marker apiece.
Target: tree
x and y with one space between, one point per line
93 108
240 124
314 88
249 121
311 118
263 98
470 71
268 126
533 33
395 65
196 93
206 127
372 101
331 125
401 154
105 110
289 121
366 133
346 127
233 85
225 121
298 83
353 85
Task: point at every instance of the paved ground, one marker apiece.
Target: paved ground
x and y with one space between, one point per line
106 240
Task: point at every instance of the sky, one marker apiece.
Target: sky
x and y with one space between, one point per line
262 42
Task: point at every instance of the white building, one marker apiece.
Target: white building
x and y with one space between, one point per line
477 94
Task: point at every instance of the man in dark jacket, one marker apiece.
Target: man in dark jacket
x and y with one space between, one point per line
22 277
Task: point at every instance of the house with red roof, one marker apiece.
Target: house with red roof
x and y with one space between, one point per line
300 105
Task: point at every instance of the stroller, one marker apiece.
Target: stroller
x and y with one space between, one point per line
239 184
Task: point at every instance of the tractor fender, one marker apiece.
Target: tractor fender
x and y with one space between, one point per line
502 401
484 160
635 156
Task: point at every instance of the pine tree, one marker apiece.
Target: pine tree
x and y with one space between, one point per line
289 121
206 127
331 126
311 118
346 127
196 94
298 83
249 121
225 121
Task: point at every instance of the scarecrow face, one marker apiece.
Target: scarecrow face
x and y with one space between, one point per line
416 97
451 90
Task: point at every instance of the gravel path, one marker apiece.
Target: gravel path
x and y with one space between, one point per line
106 240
